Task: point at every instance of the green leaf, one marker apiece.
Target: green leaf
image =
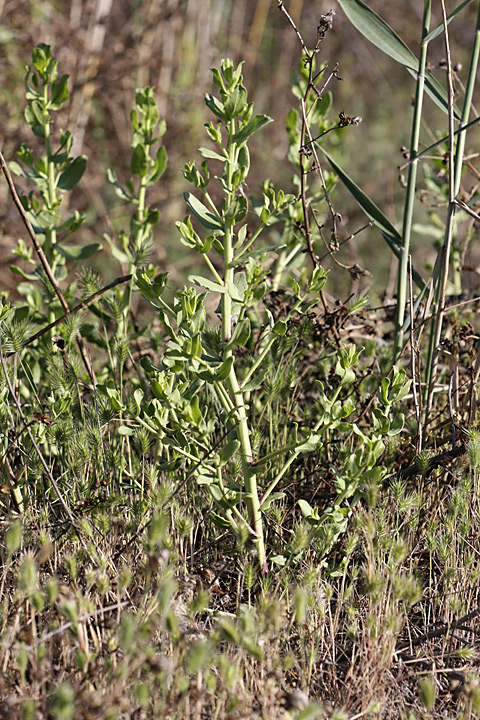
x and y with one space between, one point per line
209 284
73 174
235 292
324 105
116 252
271 499
255 382
397 425
151 289
228 451
236 102
243 161
439 29
380 34
388 230
60 92
113 395
214 133
34 114
18 271
41 58
311 443
204 216
78 252
306 508
216 107
153 217
318 280
280 328
112 179
203 479
126 430
224 370
211 154
218 520
237 209
159 165
255 124
381 423
241 333
138 397
17 169
139 161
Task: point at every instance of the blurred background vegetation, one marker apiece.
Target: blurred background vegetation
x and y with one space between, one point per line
109 48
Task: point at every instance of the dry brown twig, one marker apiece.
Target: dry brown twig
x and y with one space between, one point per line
77 308
438 632
43 260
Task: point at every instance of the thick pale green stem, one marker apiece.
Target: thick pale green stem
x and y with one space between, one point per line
402 284
243 431
142 194
50 233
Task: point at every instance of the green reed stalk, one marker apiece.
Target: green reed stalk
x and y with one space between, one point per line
456 164
444 253
402 280
467 104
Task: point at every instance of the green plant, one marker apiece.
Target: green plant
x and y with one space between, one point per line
225 367
253 418
189 364
147 169
52 174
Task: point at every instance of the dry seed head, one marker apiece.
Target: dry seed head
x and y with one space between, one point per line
345 120
325 23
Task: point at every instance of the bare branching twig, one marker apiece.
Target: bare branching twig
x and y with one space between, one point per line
43 260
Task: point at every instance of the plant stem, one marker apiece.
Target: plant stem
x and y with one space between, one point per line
402 280
250 478
266 349
444 253
43 259
467 103
50 233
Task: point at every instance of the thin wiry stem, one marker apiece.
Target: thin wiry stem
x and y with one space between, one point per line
43 462
444 254
282 8
74 310
43 260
